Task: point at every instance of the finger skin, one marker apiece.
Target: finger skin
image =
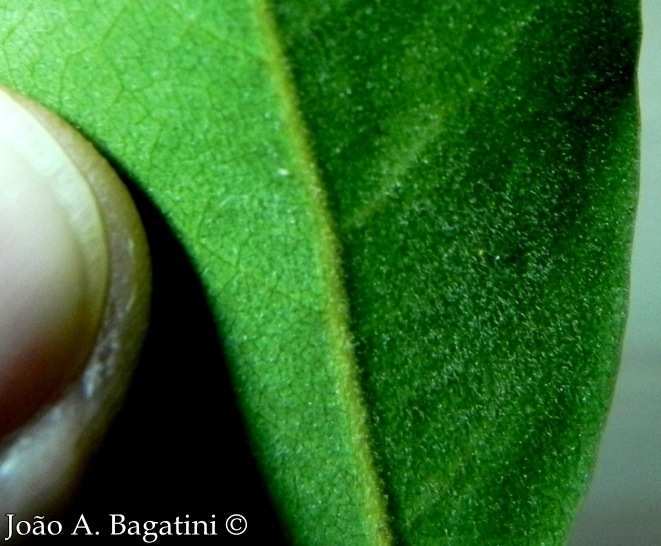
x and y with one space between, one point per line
53 283
78 286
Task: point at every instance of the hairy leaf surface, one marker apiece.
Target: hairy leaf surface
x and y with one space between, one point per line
412 220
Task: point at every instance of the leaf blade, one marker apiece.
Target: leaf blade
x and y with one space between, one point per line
233 181
496 241
413 111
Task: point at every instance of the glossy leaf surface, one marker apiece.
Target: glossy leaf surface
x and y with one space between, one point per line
443 378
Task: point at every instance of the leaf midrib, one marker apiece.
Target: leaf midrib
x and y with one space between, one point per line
337 310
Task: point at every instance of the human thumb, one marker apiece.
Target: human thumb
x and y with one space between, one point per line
74 289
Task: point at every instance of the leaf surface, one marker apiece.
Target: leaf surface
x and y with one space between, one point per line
442 374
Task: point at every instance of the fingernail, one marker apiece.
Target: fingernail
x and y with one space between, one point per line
53 266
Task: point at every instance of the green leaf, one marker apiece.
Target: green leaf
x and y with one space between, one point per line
412 220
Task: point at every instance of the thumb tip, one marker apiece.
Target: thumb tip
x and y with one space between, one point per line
53 265
74 302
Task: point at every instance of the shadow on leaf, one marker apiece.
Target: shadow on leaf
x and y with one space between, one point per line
178 448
